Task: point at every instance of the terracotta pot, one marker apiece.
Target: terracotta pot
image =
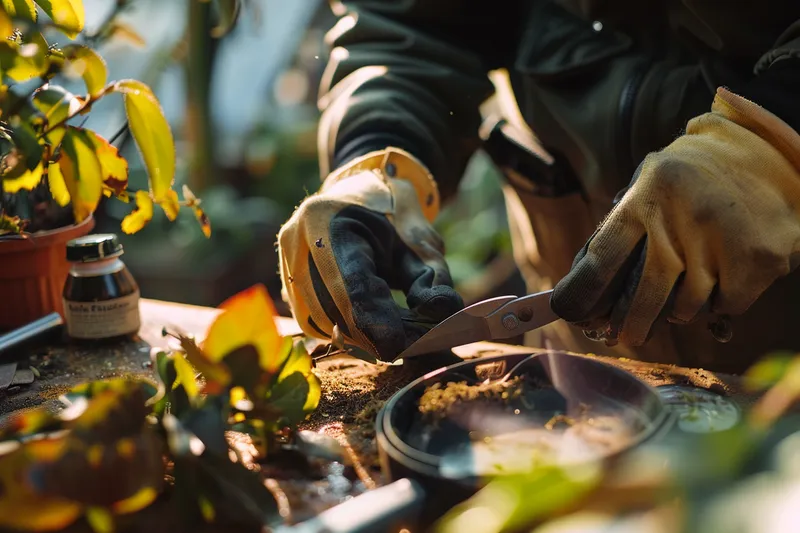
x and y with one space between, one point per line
33 272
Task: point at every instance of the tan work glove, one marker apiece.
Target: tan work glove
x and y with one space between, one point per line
709 222
367 231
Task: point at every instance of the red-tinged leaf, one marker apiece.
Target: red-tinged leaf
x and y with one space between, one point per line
27 181
68 15
246 318
171 205
58 187
9 224
193 202
82 172
140 216
152 134
83 62
113 166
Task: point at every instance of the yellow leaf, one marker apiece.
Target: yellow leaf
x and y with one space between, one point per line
137 502
141 215
83 62
68 15
152 134
246 318
113 166
171 205
100 519
27 181
82 172
186 375
58 188
6 25
24 9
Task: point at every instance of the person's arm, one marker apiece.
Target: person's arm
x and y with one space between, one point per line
412 74
776 85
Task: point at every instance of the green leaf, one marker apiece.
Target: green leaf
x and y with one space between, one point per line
56 104
27 142
152 135
244 367
83 62
227 14
289 397
24 9
67 15
140 216
238 490
507 501
82 172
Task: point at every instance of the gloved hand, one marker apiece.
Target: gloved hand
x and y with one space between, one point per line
367 231
708 223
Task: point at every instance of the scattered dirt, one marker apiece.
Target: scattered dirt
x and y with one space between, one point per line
438 400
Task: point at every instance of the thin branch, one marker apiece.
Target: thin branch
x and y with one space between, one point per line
119 133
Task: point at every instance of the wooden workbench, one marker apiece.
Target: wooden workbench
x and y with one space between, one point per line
352 390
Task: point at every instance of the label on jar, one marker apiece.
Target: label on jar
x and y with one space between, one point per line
104 319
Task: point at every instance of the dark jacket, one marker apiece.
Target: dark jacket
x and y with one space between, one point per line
600 82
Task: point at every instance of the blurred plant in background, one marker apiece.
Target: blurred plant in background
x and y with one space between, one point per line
49 164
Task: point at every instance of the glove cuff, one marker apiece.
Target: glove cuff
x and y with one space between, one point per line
394 163
760 121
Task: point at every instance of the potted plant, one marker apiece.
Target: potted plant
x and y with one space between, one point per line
54 171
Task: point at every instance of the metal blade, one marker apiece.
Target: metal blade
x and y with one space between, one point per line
464 327
521 315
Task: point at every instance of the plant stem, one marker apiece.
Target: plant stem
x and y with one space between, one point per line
198 114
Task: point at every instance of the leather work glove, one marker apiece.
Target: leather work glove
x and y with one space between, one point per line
707 224
365 232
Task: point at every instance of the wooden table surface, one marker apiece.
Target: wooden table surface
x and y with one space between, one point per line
351 389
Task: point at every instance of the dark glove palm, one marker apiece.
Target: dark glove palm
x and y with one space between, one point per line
363 235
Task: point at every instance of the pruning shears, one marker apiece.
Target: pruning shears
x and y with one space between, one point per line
497 318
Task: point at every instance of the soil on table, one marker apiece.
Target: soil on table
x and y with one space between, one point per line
353 392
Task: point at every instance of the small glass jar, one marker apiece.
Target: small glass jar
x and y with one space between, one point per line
101 298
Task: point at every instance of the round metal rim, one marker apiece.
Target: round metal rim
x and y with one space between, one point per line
393 445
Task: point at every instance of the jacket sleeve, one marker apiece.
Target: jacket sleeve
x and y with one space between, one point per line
412 74
776 84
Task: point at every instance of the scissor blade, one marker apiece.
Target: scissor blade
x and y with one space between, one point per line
464 327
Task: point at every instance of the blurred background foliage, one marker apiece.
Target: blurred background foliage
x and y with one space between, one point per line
243 110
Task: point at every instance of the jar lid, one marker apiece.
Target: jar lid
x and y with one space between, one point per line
93 248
